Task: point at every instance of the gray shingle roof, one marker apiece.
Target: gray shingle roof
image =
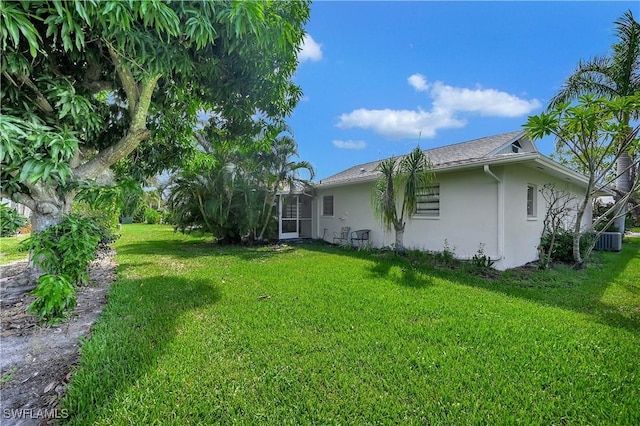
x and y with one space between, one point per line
441 158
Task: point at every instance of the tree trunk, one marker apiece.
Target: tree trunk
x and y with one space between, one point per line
46 214
623 186
577 232
48 211
399 237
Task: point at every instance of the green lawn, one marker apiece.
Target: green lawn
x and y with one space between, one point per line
199 334
9 249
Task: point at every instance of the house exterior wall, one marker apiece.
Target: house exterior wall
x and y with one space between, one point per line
352 208
468 211
470 206
522 233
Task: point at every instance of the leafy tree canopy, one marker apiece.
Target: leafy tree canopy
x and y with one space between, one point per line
84 83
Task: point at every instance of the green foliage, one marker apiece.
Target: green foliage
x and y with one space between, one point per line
121 83
67 248
229 188
595 131
481 260
151 216
409 174
563 245
55 295
447 256
10 221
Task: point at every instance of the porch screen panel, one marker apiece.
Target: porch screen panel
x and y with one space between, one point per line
289 208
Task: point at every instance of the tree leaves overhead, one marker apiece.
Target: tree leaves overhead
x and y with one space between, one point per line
90 81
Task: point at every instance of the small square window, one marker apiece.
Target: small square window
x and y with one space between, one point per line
531 201
327 205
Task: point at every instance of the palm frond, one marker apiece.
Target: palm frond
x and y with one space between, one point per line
417 175
383 197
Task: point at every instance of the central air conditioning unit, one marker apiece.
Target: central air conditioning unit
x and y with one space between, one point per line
609 241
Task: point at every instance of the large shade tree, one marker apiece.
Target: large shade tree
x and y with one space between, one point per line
611 76
406 178
86 84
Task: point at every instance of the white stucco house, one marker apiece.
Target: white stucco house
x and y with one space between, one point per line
485 191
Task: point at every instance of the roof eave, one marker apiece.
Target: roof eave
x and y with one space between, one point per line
536 157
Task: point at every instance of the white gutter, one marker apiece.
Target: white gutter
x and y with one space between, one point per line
488 171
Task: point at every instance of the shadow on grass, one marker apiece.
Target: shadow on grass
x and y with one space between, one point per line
562 287
386 265
133 332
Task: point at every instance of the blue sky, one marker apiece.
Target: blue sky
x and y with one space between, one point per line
380 77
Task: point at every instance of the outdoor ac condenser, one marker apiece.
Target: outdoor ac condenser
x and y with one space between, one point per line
609 241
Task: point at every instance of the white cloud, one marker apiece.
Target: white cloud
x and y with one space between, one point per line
418 82
311 50
350 144
447 104
400 124
486 102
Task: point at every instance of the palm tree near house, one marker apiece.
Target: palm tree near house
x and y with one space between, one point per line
205 193
409 176
279 168
612 76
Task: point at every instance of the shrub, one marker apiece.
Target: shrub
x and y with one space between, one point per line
481 260
10 221
55 294
151 216
67 248
563 245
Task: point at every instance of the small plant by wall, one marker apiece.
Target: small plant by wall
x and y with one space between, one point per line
556 241
481 260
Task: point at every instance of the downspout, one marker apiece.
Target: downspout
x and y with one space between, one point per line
488 171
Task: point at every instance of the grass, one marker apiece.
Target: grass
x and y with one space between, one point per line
9 249
200 334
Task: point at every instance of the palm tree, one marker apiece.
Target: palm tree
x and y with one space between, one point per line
411 174
280 168
611 76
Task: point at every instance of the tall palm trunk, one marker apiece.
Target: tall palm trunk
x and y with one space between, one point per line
623 185
399 228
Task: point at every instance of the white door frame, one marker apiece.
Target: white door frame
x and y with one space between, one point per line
288 235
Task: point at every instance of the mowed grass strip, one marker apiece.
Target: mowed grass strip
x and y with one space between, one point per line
10 249
200 334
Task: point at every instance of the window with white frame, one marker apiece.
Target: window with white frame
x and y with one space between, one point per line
428 201
327 205
532 195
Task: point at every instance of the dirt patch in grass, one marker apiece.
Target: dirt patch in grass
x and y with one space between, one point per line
37 360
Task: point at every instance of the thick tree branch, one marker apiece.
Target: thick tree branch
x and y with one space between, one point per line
41 102
19 198
136 133
126 78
